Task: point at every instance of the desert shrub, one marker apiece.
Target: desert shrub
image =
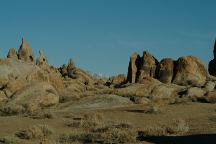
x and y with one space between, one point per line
12 109
74 136
44 115
88 121
36 131
111 135
9 140
92 129
118 135
92 120
176 127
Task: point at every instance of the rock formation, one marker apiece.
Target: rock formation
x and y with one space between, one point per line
190 71
147 67
141 67
185 71
118 80
25 52
71 69
12 54
35 96
212 63
133 68
42 60
164 72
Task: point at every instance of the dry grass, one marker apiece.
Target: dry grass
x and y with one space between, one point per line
92 128
12 109
34 132
9 140
44 115
176 127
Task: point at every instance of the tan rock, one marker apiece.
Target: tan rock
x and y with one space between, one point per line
148 66
25 52
71 69
15 74
118 80
165 70
190 71
36 95
12 54
133 68
42 60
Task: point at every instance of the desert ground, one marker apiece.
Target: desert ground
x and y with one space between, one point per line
158 102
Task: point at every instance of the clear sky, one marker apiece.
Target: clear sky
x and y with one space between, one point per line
100 35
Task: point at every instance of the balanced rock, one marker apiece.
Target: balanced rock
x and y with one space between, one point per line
212 63
25 52
12 54
164 70
42 60
190 71
148 66
133 68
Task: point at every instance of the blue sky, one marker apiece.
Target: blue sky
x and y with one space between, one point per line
100 35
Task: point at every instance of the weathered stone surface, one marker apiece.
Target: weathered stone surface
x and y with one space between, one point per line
119 79
42 60
190 71
25 52
12 54
133 68
164 92
164 70
148 66
209 86
195 93
15 74
211 96
212 63
36 95
71 69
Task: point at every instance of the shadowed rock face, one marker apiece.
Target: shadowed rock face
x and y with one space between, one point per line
164 70
212 63
133 68
141 67
25 52
12 54
148 66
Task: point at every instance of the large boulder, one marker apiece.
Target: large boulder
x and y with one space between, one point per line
36 95
164 70
12 54
148 66
25 52
212 63
16 74
133 68
190 71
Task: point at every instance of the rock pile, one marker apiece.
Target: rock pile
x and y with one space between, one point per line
187 70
